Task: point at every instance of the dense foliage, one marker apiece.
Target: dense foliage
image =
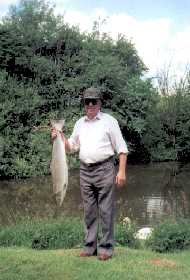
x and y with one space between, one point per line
56 233
44 67
170 236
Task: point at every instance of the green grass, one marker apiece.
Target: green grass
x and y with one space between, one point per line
130 264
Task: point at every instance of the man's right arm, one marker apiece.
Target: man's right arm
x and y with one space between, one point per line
71 144
65 140
54 133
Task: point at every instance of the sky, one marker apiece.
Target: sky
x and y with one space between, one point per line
160 30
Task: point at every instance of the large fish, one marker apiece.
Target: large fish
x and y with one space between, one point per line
59 168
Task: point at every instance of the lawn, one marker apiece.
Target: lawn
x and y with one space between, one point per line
130 264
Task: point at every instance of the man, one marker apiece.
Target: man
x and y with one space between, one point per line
97 136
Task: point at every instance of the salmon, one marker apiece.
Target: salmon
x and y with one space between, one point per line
59 167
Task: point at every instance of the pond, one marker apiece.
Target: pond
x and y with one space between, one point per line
152 192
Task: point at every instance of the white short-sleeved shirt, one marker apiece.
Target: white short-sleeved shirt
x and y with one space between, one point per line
97 139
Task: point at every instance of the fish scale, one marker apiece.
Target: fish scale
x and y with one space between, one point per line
59 167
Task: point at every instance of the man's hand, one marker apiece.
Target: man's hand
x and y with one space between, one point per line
54 133
120 179
121 175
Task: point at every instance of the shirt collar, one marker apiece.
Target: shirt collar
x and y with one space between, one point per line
97 117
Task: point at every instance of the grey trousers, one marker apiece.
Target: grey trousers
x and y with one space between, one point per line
97 190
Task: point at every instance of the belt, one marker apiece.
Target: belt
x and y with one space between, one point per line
96 163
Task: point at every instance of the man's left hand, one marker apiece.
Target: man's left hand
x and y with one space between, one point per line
120 179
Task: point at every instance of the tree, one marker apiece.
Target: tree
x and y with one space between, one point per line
44 67
167 136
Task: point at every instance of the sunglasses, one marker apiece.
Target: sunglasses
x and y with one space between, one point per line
93 101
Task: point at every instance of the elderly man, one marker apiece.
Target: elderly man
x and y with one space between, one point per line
97 136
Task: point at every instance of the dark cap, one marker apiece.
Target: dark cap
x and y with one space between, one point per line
92 93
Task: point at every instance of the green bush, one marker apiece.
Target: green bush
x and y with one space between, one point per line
18 235
170 236
59 233
62 233
125 235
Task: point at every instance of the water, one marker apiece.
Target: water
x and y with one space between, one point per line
152 192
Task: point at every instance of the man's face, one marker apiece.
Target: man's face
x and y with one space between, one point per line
92 107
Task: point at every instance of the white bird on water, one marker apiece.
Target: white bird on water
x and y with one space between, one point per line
142 233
